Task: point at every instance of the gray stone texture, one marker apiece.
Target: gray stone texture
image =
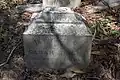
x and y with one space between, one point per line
57 38
29 8
62 3
111 3
33 1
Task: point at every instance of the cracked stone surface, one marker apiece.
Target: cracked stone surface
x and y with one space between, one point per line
57 38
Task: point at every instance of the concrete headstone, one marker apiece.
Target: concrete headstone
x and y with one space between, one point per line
57 38
62 3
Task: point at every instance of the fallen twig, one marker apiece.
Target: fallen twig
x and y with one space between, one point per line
114 13
106 4
9 56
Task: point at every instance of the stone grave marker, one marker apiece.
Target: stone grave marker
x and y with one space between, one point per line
57 38
62 3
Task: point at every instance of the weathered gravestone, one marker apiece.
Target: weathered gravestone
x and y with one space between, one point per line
62 3
57 38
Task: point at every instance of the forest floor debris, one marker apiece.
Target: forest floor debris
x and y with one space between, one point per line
105 57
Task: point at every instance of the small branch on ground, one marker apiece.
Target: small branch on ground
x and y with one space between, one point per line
9 56
114 13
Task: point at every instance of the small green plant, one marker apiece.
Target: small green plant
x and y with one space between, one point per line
115 33
102 29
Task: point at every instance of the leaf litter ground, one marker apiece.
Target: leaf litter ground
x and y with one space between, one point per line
105 56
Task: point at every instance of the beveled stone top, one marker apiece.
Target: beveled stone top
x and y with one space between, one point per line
62 21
